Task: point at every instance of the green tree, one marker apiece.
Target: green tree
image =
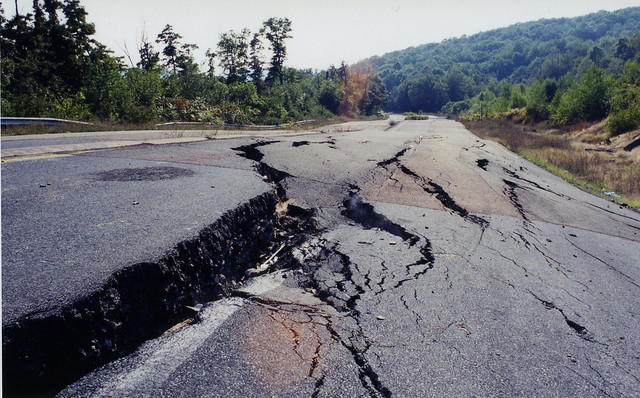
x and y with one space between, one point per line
233 56
458 85
330 95
597 56
149 58
375 98
625 101
518 99
211 62
277 30
104 87
593 94
145 90
428 93
177 55
255 60
46 59
538 97
588 99
623 51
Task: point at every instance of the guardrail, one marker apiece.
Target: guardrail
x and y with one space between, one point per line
238 126
43 121
40 121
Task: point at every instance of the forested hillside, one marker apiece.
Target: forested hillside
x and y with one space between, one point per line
565 70
52 67
546 55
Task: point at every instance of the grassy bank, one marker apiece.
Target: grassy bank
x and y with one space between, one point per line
583 155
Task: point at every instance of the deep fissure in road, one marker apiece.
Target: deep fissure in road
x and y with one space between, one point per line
47 351
580 330
482 163
364 214
443 197
511 193
142 301
434 189
346 292
330 273
329 264
269 173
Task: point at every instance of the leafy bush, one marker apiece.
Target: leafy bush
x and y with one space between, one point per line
69 107
415 116
456 108
625 101
622 121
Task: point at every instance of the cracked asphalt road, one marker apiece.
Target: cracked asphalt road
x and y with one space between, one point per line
441 265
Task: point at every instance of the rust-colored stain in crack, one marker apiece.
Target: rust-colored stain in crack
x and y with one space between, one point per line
283 344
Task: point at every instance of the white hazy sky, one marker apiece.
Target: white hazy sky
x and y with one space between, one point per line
324 32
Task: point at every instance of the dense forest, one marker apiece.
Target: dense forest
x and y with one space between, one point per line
52 67
562 69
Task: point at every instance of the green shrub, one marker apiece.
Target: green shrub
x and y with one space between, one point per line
622 121
70 107
415 116
139 114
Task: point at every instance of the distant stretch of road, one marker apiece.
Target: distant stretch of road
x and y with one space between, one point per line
434 264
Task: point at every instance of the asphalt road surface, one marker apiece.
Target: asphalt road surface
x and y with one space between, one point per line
439 264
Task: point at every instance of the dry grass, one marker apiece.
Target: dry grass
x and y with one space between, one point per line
573 155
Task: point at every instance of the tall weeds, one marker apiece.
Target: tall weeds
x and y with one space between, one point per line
593 171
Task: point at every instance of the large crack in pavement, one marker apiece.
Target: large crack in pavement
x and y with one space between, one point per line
330 265
51 350
443 197
330 277
337 280
533 183
365 215
433 188
510 191
580 330
352 281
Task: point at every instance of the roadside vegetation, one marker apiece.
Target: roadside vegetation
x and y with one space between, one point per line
415 116
52 67
583 154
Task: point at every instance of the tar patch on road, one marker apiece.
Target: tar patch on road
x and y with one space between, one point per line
482 163
144 174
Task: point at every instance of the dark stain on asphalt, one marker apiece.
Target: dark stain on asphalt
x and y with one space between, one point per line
144 174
